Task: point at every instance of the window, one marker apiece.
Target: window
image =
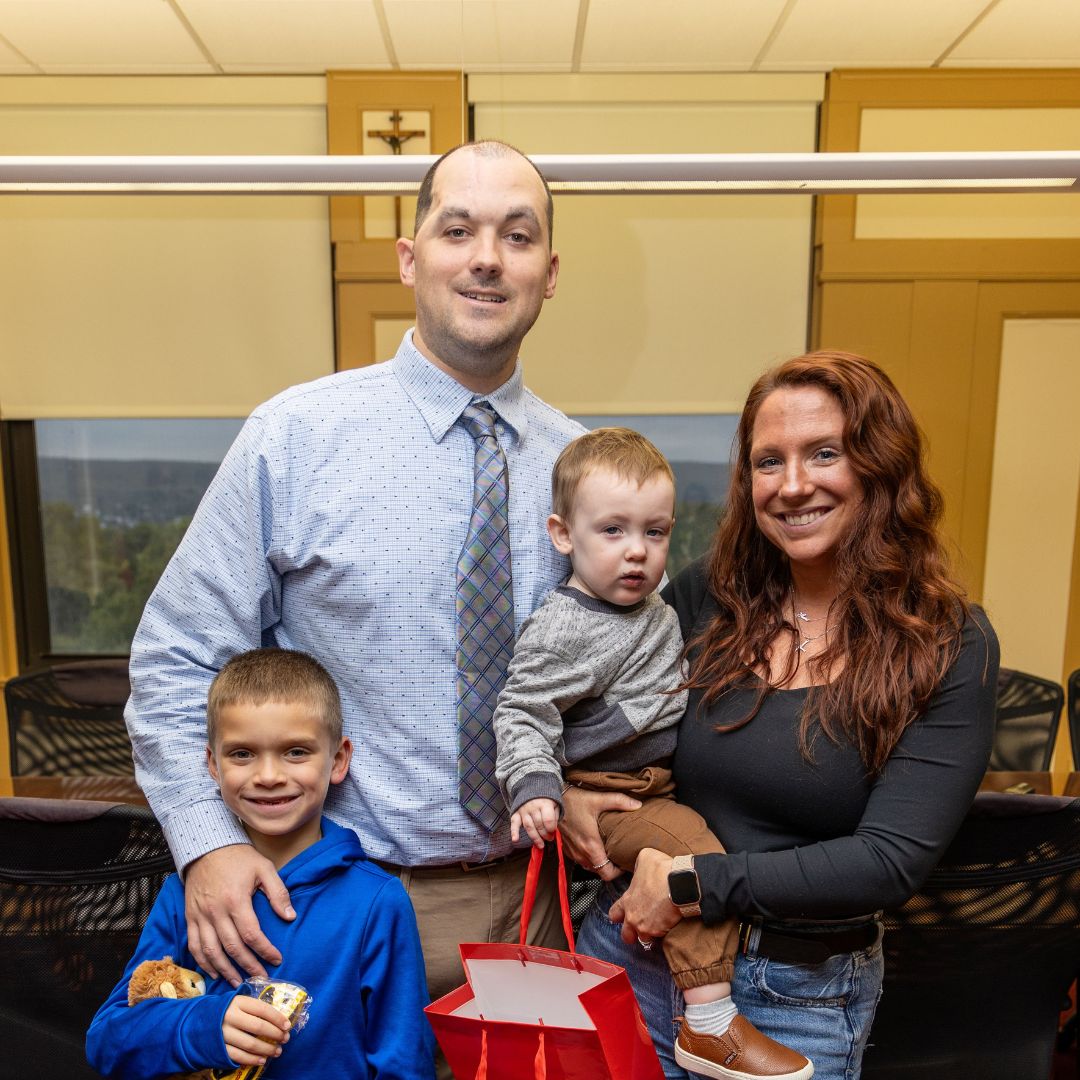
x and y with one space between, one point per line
698 448
99 507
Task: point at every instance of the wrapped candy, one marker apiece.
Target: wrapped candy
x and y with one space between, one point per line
289 999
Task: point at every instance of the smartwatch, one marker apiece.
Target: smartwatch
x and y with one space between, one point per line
684 889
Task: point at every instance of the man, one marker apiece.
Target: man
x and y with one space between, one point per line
336 526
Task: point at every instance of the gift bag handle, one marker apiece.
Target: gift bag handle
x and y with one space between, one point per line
539 1062
532 879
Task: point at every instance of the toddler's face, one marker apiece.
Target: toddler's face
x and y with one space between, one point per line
618 535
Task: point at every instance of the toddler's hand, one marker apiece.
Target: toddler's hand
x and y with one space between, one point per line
253 1030
538 817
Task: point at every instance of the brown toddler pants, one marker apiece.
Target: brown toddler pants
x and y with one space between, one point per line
696 954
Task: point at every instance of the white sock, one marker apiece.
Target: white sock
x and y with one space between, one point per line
712 1018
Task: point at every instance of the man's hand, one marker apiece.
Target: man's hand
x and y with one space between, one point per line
540 819
221 923
253 1030
581 837
645 909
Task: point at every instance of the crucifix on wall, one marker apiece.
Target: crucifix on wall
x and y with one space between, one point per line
395 138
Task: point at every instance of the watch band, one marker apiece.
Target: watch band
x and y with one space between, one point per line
684 864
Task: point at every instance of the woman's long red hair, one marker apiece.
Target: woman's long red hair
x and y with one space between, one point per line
898 614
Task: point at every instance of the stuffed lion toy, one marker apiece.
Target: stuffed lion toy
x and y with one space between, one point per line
163 978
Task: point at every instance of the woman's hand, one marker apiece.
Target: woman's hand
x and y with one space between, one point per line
581 837
645 909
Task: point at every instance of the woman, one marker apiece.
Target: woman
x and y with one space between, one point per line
840 715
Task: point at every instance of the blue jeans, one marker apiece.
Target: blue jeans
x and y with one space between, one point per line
822 1010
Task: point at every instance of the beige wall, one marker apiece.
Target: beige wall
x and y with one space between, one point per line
165 305
1033 499
664 303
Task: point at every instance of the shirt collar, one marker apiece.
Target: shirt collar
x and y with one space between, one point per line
441 399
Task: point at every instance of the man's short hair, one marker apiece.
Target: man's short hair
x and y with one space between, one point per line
282 676
485 148
626 452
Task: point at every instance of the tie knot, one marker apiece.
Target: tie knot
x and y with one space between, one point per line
479 420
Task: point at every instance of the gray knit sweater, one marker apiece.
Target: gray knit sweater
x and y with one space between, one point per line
586 687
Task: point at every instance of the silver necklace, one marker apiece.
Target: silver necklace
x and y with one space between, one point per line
803 617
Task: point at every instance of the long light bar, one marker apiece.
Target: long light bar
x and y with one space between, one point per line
791 174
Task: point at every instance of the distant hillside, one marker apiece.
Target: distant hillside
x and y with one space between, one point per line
128 492
701 481
125 492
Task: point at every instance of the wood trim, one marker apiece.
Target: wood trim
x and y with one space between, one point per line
962 290
366 279
348 94
1063 761
955 88
998 302
9 658
849 92
896 260
365 262
359 305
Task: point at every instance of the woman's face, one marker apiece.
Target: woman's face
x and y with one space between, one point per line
805 491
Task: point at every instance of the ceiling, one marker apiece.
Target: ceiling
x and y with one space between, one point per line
205 37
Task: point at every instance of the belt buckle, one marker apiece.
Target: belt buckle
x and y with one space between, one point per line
745 930
469 868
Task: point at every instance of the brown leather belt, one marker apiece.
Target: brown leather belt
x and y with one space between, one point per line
791 946
454 867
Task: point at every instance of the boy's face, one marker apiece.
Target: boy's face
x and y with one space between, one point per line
274 763
617 536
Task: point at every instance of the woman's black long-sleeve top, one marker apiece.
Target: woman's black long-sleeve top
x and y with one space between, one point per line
824 840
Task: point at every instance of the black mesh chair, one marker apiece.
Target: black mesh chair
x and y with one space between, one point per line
979 962
1074 716
69 720
77 880
1028 711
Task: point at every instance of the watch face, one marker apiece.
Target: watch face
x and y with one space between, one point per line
683 887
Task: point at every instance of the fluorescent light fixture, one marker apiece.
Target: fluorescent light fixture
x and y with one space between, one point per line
1003 171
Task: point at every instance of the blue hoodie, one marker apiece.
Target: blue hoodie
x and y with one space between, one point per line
353 945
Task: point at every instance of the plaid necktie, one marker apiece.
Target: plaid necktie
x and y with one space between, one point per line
485 619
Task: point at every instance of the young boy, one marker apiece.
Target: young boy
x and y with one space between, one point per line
275 746
591 690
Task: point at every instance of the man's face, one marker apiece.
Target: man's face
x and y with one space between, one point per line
481 265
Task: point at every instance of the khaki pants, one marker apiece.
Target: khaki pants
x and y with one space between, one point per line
696 954
453 905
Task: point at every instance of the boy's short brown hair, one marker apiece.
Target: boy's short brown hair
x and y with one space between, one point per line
275 675
625 451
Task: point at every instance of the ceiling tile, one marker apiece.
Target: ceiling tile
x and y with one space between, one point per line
289 35
1042 33
483 35
822 34
691 35
122 37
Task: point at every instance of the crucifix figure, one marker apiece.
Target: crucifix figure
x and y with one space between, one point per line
395 138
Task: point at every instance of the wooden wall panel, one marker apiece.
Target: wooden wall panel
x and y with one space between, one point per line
366 282
944 349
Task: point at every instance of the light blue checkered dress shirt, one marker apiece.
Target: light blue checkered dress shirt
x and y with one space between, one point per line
334 526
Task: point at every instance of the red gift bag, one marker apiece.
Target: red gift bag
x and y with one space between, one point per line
528 1013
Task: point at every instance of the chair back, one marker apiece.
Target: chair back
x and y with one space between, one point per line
980 959
69 720
77 880
1074 716
1028 711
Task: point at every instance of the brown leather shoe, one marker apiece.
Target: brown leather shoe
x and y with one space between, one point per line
741 1053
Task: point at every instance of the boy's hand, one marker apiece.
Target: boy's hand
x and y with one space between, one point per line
253 1030
539 818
